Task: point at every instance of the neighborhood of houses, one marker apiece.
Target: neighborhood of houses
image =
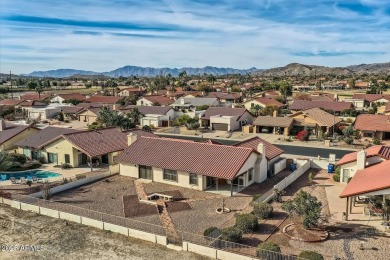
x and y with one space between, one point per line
183 166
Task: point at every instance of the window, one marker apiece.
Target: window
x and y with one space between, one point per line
170 175
67 158
142 103
346 175
145 172
26 152
51 157
193 179
250 174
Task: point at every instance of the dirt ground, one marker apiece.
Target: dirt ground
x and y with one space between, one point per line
65 240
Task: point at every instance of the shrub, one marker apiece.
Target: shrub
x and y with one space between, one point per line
80 176
64 180
147 128
303 135
265 250
21 158
66 166
211 230
348 140
376 141
263 210
310 255
232 234
336 177
31 165
246 222
338 169
256 196
42 160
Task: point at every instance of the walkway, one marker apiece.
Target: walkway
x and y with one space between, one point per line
167 223
140 190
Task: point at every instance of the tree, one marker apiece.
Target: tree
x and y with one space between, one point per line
110 118
31 85
285 89
72 101
256 109
39 90
268 110
246 222
302 96
305 206
88 85
135 115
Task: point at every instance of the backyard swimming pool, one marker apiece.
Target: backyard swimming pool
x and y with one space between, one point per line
28 175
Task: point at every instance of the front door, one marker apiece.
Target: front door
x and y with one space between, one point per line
105 158
83 159
210 181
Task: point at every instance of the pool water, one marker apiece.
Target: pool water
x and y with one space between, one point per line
28 175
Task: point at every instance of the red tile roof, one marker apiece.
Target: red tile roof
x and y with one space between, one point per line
378 150
11 131
34 97
374 123
322 117
45 136
271 151
103 141
10 102
222 95
202 158
76 96
72 110
145 110
269 101
367 97
223 111
325 105
104 99
274 121
162 100
374 178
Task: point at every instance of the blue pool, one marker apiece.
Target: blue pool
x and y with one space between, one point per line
28 175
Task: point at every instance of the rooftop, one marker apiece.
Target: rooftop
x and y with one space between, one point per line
323 118
223 111
11 130
194 102
104 99
326 105
378 150
374 123
162 100
268 101
271 151
274 121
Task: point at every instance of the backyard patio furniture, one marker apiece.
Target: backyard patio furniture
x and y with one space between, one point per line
13 180
23 180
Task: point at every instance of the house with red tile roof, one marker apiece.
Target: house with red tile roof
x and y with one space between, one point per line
154 100
195 165
262 102
32 97
334 106
152 115
83 147
370 99
12 133
228 98
373 126
104 100
225 118
60 98
126 92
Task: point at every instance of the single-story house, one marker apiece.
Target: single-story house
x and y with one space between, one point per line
262 102
88 115
336 107
350 163
358 104
370 99
189 164
228 98
33 146
373 126
273 124
104 100
12 133
60 98
152 115
10 102
46 112
83 148
72 112
32 97
126 92
314 119
154 100
272 152
225 119
191 103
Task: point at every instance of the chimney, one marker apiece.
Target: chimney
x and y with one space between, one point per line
182 102
131 138
361 160
114 107
2 125
275 113
261 149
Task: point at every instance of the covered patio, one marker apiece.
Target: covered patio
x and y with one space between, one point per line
368 195
226 187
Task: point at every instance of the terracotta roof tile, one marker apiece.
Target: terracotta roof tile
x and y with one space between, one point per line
10 102
34 97
72 110
370 179
326 105
202 158
76 96
322 117
271 151
374 123
104 99
145 110
269 101
367 97
45 136
11 131
162 100
378 150
273 121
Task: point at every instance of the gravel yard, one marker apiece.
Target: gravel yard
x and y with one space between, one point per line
67 240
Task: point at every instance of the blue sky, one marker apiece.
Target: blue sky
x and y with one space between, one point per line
102 35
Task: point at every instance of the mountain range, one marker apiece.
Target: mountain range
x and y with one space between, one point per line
292 69
297 69
127 71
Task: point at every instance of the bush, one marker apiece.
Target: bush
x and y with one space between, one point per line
338 169
263 210
310 255
265 250
66 166
32 165
42 160
211 230
336 177
21 158
147 128
256 196
246 222
376 141
80 176
348 140
232 234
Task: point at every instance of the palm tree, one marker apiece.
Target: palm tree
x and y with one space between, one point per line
135 115
39 90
